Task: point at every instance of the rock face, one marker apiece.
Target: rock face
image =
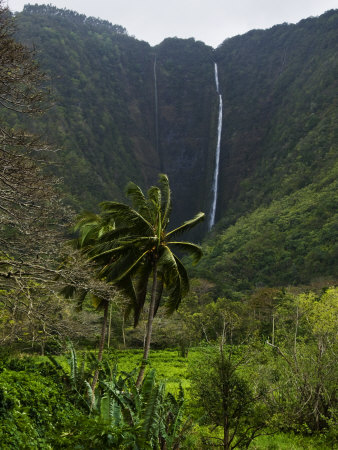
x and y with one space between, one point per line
120 116
187 121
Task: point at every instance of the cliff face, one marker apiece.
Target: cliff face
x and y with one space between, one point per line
187 121
280 97
125 111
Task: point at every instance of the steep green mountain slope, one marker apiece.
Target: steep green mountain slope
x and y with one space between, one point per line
99 118
124 110
280 121
293 240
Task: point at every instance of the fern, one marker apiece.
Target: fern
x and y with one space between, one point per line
105 406
73 364
90 395
116 414
148 385
151 420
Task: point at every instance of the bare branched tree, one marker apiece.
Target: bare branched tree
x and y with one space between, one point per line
32 215
34 263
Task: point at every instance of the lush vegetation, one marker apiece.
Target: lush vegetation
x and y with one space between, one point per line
293 240
248 388
243 353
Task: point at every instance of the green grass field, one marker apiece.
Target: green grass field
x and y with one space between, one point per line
170 367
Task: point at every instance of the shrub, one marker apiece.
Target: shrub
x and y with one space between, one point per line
34 410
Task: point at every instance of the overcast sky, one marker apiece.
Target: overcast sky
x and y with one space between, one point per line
210 21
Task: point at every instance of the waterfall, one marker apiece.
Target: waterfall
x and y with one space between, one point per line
156 117
218 149
216 78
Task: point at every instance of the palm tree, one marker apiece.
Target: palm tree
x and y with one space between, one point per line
140 248
90 228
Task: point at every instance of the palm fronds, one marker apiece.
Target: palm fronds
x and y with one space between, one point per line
125 215
126 241
188 247
186 226
166 199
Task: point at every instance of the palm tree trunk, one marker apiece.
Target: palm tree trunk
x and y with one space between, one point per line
149 329
101 346
109 324
123 332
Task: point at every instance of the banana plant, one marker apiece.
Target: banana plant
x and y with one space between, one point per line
147 417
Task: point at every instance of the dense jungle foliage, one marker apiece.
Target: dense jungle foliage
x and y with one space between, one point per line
260 388
240 350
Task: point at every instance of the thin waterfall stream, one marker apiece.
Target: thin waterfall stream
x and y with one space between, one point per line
156 117
217 155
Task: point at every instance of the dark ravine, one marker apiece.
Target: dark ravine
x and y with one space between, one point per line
279 87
